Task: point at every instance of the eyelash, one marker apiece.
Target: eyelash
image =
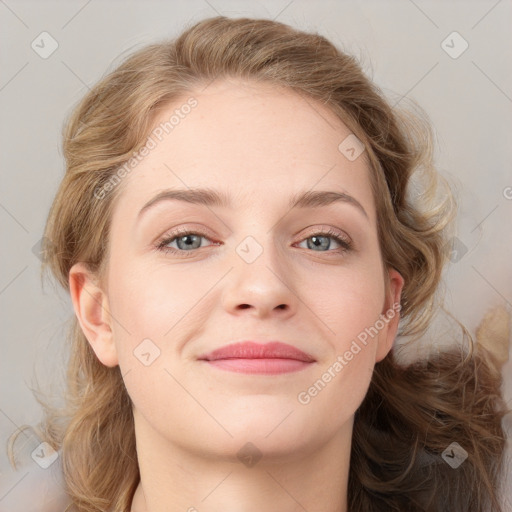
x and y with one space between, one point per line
346 243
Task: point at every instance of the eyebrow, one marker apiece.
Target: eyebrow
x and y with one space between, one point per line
210 197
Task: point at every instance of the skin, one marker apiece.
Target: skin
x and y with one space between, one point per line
260 145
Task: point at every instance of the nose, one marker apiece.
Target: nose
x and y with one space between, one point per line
260 288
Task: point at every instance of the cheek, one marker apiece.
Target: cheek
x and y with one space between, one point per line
150 300
346 300
157 308
338 390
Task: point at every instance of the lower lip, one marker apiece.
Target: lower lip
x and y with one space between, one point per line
261 366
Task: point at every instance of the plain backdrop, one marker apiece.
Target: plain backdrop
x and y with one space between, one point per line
463 81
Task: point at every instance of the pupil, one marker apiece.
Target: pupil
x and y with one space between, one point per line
187 241
317 241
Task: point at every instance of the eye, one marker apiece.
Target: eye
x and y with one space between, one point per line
320 240
187 241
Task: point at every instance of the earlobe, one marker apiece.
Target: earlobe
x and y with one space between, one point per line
390 315
91 307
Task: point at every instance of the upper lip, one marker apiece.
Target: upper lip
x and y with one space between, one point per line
254 350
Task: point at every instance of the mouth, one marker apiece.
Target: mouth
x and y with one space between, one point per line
254 358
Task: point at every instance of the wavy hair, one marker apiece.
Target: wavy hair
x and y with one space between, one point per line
412 412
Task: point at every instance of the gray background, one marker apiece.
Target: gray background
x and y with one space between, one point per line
399 43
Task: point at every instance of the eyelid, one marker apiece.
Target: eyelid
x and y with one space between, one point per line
208 233
328 230
196 229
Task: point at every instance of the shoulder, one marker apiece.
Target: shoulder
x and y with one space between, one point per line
35 487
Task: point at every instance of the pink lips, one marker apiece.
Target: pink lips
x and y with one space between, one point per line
250 357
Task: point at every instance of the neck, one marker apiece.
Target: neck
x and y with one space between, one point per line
174 478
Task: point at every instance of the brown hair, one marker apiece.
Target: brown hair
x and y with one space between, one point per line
412 412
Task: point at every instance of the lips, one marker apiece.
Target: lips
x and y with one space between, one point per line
253 350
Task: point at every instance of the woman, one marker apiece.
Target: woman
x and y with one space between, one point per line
241 248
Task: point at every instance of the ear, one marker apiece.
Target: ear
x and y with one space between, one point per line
390 315
91 307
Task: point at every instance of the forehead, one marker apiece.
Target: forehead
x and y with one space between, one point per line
253 140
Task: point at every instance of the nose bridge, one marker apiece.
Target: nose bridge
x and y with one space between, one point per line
258 253
256 239
260 275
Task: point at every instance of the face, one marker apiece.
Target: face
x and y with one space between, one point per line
255 268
